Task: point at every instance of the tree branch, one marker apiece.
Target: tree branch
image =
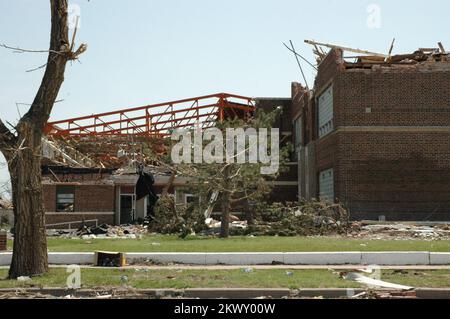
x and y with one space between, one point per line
40 110
258 191
19 50
7 139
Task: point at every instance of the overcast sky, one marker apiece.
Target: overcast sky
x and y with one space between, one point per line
148 51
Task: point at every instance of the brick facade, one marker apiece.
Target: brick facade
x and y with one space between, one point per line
3 241
390 148
94 196
91 202
88 198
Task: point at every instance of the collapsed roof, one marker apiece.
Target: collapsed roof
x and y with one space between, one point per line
368 60
114 139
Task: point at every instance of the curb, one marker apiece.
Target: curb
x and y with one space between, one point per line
252 258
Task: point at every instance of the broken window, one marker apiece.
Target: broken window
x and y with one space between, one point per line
65 199
191 199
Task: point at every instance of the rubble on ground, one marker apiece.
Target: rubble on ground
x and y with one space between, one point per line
176 219
102 231
386 294
306 219
402 231
237 227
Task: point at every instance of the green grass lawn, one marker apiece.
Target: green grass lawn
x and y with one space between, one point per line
273 278
160 243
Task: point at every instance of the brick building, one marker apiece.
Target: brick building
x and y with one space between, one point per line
376 136
78 194
93 195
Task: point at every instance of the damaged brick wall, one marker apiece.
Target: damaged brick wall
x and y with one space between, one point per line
328 69
94 201
391 146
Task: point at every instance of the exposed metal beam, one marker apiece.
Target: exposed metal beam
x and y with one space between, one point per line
334 46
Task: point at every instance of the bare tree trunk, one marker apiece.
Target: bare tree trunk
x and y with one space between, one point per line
226 204
30 242
23 153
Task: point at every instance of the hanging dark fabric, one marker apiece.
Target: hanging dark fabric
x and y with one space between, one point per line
144 187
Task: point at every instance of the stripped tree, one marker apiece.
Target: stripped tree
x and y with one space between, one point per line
224 180
22 148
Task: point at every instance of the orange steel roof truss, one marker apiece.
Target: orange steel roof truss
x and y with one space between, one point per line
157 120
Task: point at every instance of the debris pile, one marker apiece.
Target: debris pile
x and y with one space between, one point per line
176 219
402 231
363 59
102 231
237 226
306 219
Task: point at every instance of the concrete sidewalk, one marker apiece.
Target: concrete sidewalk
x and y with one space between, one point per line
256 267
251 258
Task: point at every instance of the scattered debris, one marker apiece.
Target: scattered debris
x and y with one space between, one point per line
109 259
373 294
373 283
176 219
367 60
146 262
306 219
237 226
102 231
401 231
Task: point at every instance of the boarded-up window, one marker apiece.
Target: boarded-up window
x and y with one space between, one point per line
325 105
65 199
326 185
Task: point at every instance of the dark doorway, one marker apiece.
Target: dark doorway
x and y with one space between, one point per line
126 209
